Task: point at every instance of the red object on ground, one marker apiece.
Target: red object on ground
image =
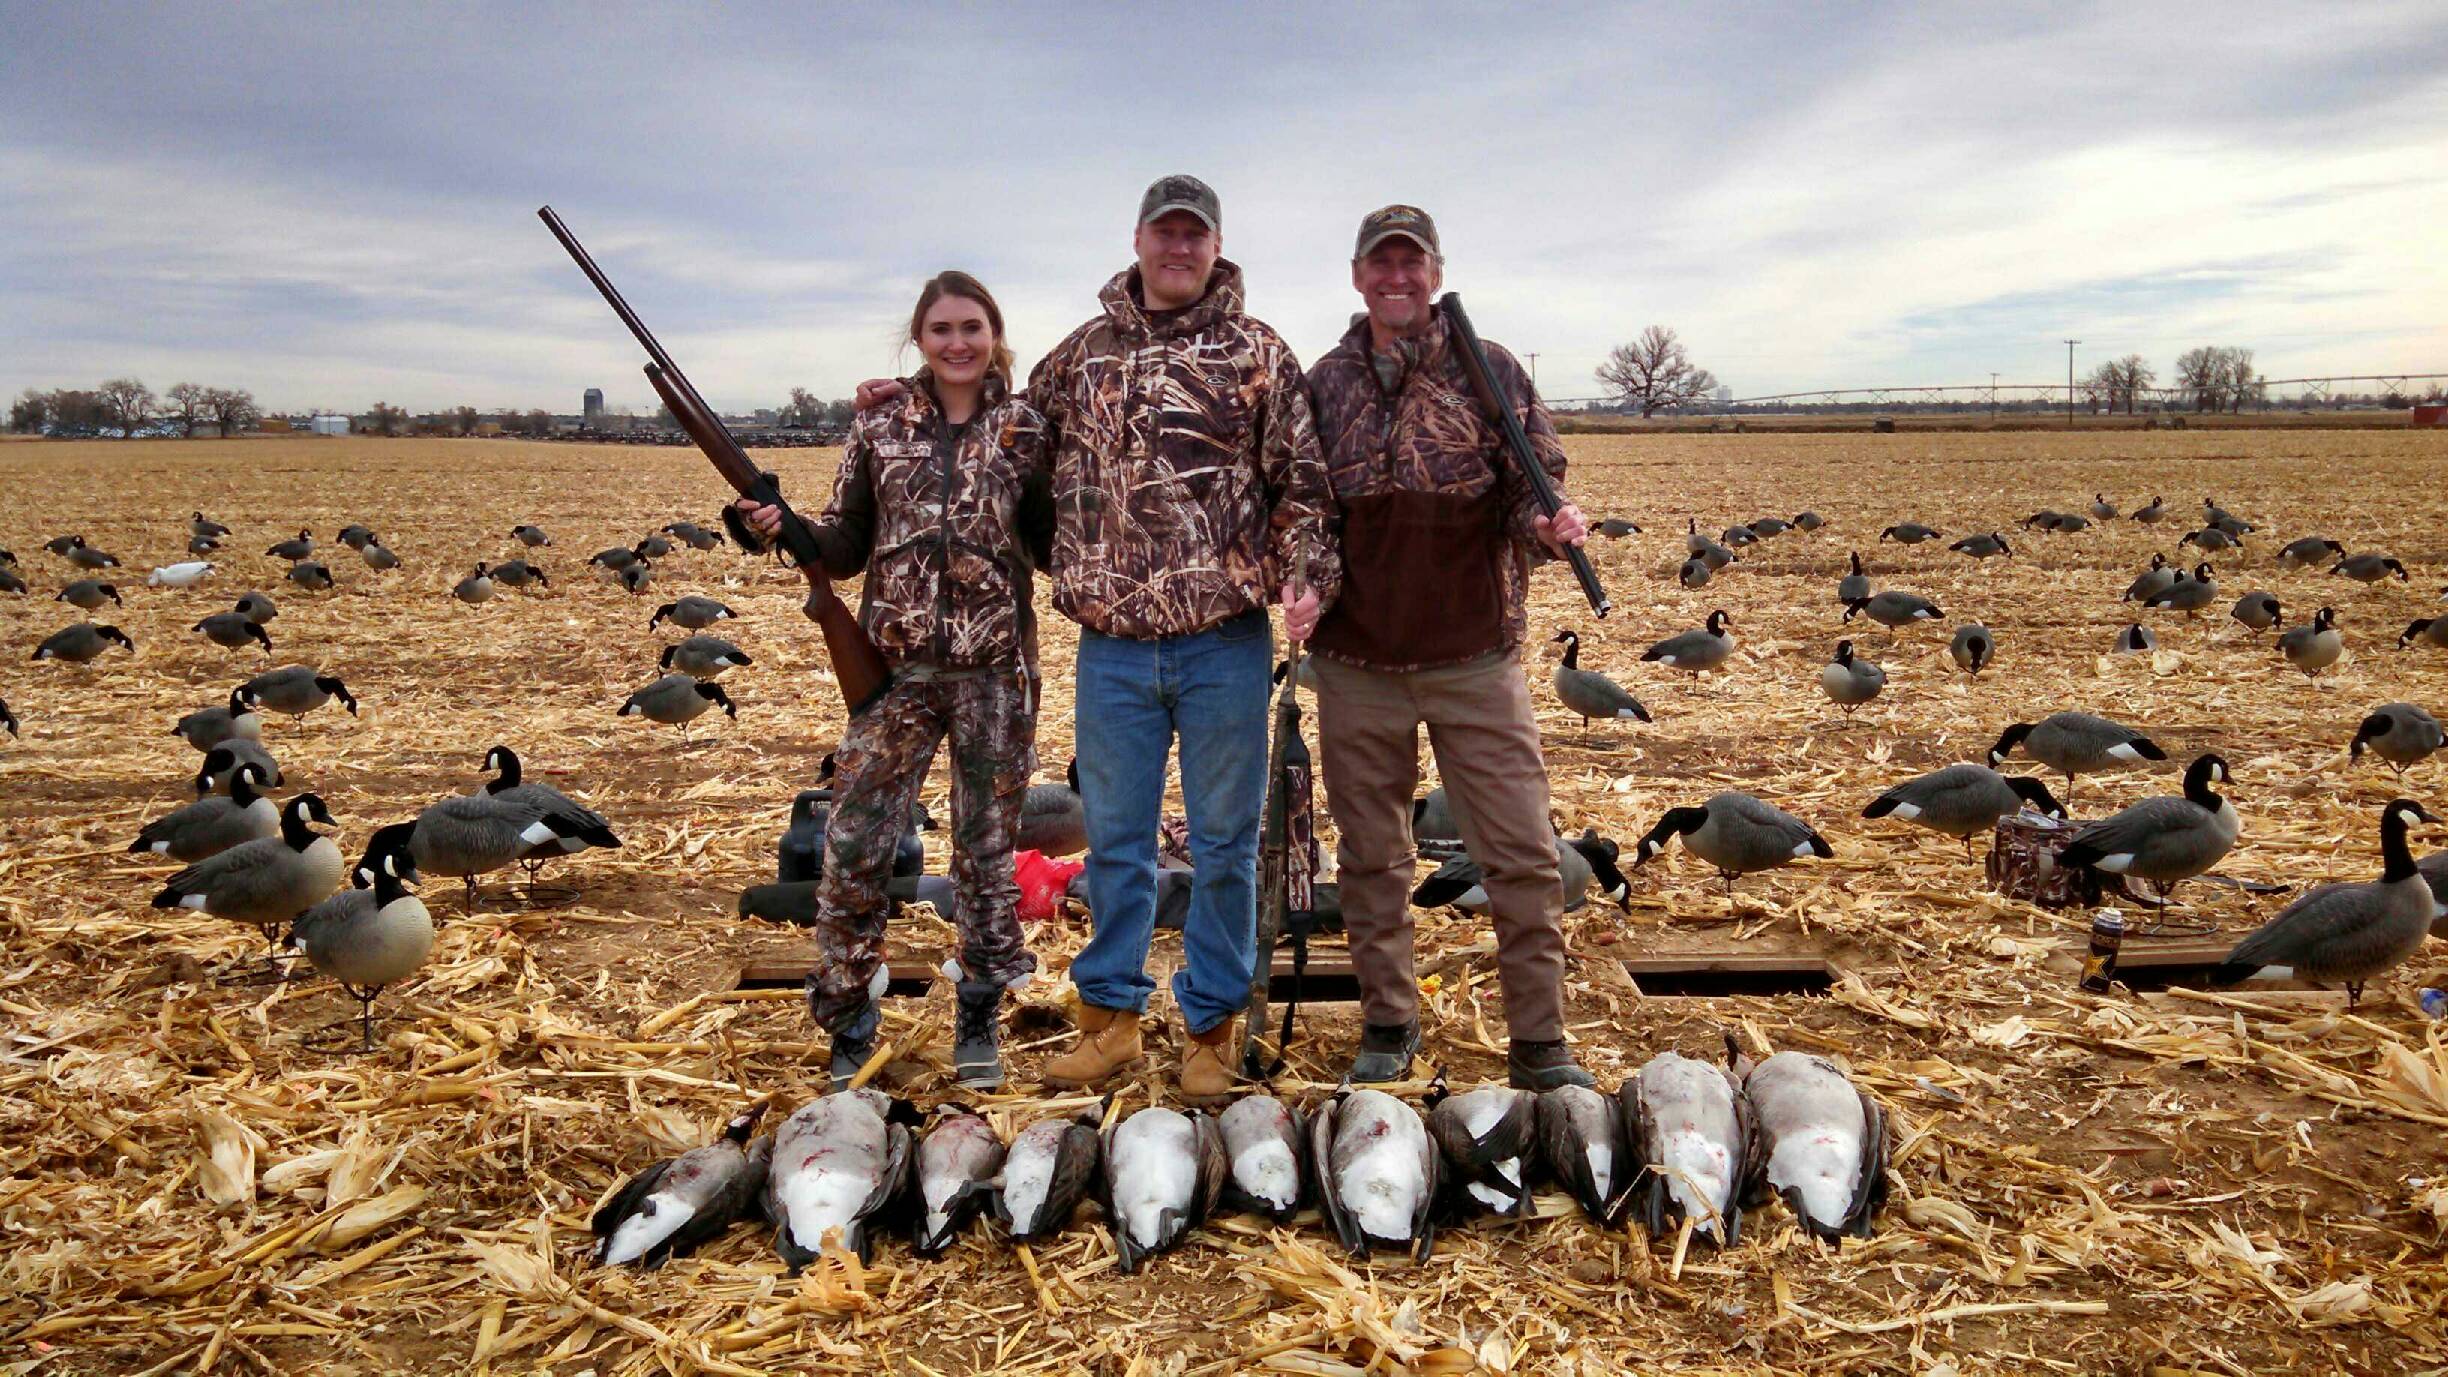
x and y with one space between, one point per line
1043 883
2431 414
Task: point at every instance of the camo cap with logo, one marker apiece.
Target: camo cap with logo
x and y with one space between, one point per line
1389 222
1182 192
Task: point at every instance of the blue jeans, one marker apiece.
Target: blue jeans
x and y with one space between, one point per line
1133 697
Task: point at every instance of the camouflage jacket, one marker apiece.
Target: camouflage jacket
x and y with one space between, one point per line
939 517
1186 469
1437 534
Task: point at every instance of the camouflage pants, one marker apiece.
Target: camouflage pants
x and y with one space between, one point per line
991 719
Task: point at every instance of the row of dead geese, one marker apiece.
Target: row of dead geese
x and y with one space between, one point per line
1688 1144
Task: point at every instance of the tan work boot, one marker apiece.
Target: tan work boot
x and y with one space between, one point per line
1109 1042
1207 1074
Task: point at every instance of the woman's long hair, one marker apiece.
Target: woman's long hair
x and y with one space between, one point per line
954 282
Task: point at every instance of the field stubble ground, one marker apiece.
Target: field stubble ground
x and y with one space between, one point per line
2163 1185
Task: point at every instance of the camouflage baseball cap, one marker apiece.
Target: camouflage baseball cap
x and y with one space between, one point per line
1389 222
1182 192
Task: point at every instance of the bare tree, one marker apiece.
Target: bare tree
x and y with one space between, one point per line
386 419
2242 383
230 409
29 413
463 420
2220 377
539 423
128 403
804 409
187 402
1654 373
840 414
2120 382
74 411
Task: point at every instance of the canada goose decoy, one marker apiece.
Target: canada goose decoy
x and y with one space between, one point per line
1263 1148
1591 694
1894 609
615 559
653 547
2157 579
2311 550
1048 1171
1691 651
314 574
1972 648
379 557
2164 839
1963 800
265 882
1738 834
2258 610
957 1162
1053 817
1807 522
1822 1145
2136 639
2210 539
792 903
675 1207
2370 568
636 576
61 545
2153 514
90 594
1770 526
1377 1172
1582 1139
1737 537
1849 681
357 536
842 1160
256 607
530 535
704 657
1854 586
10 582
691 613
296 548
218 773
1582 863
2075 743
184 575
2431 631
518 573
8 719
2314 647
2401 734
206 728
476 587
696 537
2101 508
1693 541
576 827
1616 528
1694 573
1163 1171
676 700
2067 523
202 545
1691 1127
1489 1137
1433 820
1910 533
296 690
87 557
214 823
200 525
82 643
233 630
366 948
2348 933
467 835
1982 546
2046 519
2189 594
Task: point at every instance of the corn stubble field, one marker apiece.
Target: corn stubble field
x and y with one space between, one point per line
2162 1184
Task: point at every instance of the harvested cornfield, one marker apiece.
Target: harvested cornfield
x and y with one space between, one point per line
2146 1182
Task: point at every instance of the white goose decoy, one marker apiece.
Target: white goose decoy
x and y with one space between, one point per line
184 575
2348 933
672 1208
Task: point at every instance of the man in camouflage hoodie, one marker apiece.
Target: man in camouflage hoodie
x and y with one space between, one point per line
1439 536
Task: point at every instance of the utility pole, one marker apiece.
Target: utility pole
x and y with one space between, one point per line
1533 369
2070 382
1993 395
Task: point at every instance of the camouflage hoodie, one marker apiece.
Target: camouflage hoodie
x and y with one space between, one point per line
1437 539
939 517
1186 468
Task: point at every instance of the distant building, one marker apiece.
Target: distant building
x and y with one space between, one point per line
1725 396
593 406
329 425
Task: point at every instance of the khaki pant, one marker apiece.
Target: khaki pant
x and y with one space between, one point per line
1487 751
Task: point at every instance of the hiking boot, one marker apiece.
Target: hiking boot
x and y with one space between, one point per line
1109 1043
854 1042
977 1062
1543 1066
1207 1072
1385 1053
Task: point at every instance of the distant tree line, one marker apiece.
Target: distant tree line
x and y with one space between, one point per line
127 406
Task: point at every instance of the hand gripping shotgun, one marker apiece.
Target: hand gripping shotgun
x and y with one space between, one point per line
857 664
1508 426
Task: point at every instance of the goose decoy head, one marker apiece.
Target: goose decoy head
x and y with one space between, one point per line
2007 741
2202 571
254 632
2207 769
1718 621
330 683
215 761
2325 619
2377 724
2032 791
1677 821
666 610
306 808
665 661
505 762
2405 812
2395 568
713 693
115 636
1853 606
744 1124
1844 653
1857 564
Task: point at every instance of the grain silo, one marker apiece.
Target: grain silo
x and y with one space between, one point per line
592 408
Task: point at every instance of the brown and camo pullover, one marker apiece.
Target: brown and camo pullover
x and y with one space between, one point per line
1186 467
946 521
1437 534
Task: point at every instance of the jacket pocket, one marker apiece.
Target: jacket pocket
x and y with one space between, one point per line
1422 580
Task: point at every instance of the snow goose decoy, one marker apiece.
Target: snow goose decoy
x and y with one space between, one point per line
1163 1171
314 575
2165 839
2401 734
215 822
1849 681
2189 594
672 1208
1972 648
266 882
1822 1145
2075 743
366 947
82 643
206 728
2136 639
1583 1141
90 594
842 1160
1895 610
294 549
957 1162
2314 647
1963 801
1910 533
1854 586
1377 1172
676 700
1691 1126
2348 933
530 535
296 690
1982 546
2258 610
703 657
2157 579
2370 568
1691 651
1591 694
233 630
1263 1151
692 613
575 826
2311 550
476 587
1738 834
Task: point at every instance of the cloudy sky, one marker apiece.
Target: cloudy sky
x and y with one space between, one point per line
334 204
